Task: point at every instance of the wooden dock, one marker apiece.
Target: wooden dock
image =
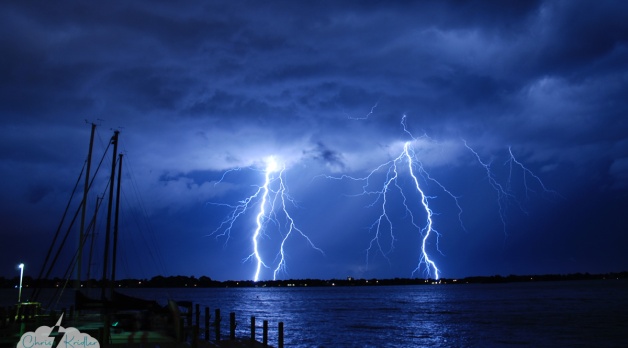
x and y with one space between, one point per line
182 329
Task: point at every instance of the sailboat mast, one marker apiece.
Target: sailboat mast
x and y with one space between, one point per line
77 284
114 141
93 234
115 227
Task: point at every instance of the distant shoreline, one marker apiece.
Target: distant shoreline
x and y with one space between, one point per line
206 282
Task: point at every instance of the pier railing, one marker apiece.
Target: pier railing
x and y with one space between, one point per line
189 330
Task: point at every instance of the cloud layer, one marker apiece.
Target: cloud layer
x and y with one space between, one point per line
201 88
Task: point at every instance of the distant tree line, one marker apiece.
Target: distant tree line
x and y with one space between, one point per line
207 282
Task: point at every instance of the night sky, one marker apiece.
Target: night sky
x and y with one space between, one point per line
205 92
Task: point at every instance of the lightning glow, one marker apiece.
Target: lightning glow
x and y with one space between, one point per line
273 199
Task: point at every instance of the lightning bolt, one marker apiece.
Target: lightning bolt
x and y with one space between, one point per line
225 174
527 172
270 168
281 266
367 115
273 199
54 332
416 171
503 192
428 229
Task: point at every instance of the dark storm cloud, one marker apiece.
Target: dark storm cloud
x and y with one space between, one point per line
580 36
331 158
203 87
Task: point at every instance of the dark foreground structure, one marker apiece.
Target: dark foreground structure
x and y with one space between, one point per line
177 325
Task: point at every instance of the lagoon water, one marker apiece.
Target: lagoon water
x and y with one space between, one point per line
538 314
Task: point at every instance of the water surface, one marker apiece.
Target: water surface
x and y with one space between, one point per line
540 314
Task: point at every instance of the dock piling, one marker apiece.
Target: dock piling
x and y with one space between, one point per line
252 329
232 326
265 334
217 321
195 330
280 338
207 321
198 314
195 333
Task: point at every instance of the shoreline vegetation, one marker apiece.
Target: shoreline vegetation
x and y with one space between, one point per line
207 282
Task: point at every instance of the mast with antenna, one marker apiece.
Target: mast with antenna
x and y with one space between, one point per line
114 141
77 284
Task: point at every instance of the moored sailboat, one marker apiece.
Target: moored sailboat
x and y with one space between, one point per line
109 315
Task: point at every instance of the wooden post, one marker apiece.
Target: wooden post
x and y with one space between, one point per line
198 315
190 308
217 323
280 338
180 332
232 326
265 333
207 321
252 329
195 336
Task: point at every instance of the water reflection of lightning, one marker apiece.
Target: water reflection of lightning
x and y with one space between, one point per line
392 170
272 197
